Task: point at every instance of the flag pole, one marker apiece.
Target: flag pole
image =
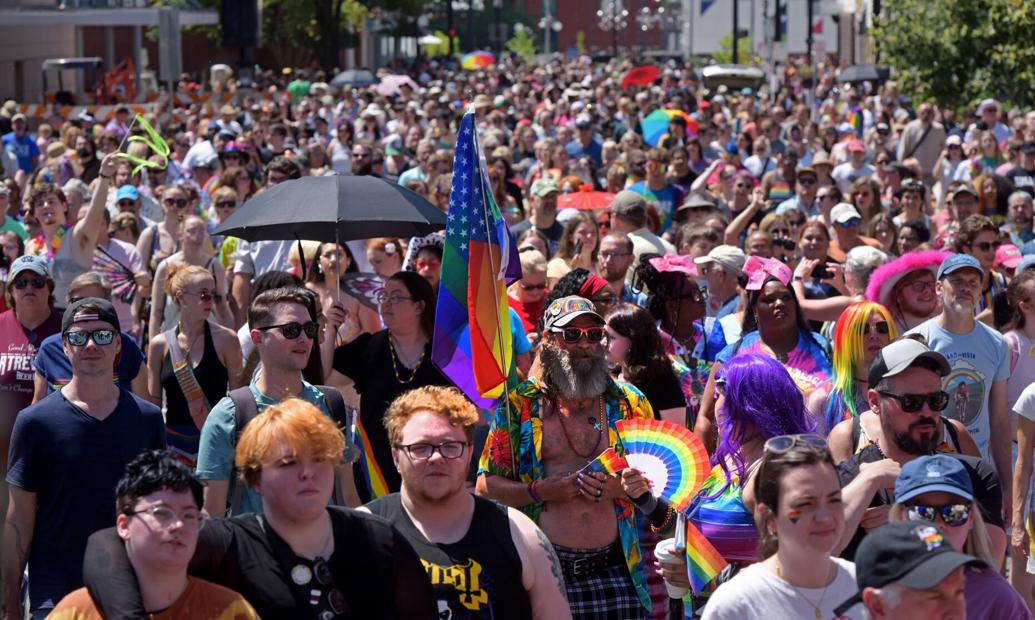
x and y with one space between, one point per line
495 290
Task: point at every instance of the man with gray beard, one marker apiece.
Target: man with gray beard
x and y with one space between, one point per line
541 438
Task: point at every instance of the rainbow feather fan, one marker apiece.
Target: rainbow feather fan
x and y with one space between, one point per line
609 462
669 455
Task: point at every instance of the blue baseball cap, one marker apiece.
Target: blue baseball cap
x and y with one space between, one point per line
29 262
127 191
957 262
1026 263
929 474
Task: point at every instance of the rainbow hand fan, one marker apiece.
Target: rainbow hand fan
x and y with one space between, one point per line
609 462
669 455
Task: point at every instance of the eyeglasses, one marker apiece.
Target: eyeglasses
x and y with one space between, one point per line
575 334
880 328
911 403
920 285
610 255
783 443
424 451
392 299
179 203
532 287
167 517
226 204
294 328
24 283
986 246
953 515
126 203
79 337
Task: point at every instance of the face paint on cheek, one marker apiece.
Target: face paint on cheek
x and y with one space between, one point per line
793 515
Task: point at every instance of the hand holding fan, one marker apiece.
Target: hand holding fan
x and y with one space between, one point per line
669 455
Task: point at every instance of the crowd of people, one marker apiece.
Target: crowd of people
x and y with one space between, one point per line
836 297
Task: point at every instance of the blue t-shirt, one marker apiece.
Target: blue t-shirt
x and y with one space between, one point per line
72 462
218 441
665 201
977 360
52 363
24 148
594 149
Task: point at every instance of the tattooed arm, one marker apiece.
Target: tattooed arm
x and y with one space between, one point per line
21 518
540 569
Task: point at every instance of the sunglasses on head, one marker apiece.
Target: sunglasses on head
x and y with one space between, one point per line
24 283
294 329
575 334
783 443
79 337
880 328
952 515
911 403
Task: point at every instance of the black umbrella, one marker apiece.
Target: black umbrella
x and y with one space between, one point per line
859 73
334 208
354 77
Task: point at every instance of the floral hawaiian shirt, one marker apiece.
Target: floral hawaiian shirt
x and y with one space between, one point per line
516 439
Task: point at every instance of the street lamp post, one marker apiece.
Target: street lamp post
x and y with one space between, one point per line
613 16
549 24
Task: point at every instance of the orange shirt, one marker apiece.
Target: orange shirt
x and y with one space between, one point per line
200 601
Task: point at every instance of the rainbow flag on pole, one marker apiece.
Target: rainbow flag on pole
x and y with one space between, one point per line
703 562
479 260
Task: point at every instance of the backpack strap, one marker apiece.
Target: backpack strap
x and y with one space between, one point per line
245 410
856 433
340 416
954 435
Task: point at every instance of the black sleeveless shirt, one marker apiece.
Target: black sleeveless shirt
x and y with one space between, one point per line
479 576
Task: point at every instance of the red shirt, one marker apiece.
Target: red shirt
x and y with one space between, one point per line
18 347
530 314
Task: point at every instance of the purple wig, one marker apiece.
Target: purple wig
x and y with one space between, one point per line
760 397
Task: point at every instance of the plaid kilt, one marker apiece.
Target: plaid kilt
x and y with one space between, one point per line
605 595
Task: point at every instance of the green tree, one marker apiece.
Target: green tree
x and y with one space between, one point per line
725 53
956 52
522 43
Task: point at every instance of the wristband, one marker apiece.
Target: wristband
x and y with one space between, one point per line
646 503
799 279
536 498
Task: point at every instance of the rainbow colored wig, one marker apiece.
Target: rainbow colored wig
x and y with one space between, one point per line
848 346
760 399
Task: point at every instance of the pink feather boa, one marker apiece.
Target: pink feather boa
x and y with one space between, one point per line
884 278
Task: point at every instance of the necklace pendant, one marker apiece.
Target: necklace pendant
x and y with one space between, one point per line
301 574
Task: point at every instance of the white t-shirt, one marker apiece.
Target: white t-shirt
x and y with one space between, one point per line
756 593
845 174
977 360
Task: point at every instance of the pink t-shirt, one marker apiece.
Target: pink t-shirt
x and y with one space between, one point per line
1022 367
18 347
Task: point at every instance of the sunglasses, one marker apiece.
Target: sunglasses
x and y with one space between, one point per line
827 197
575 334
783 443
808 181
179 203
852 223
79 337
226 204
953 515
126 203
24 283
986 246
427 263
911 403
206 296
532 287
293 329
880 328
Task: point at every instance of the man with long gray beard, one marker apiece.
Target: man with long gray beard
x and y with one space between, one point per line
541 438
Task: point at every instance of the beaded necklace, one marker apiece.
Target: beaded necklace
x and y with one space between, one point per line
396 363
39 246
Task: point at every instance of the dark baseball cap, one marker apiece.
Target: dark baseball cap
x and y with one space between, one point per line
75 313
1028 147
913 554
900 355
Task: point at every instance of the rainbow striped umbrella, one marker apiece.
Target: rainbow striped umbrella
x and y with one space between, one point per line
656 124
477 60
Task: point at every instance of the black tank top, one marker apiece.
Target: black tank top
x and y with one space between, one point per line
478 576
211 376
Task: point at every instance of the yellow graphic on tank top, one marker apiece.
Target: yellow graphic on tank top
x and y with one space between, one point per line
464 578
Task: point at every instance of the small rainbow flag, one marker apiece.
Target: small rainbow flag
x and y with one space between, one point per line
703 561
855 117
609 462
368 464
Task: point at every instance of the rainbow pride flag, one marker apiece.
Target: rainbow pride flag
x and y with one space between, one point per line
855 117
368 464
479 260
703 562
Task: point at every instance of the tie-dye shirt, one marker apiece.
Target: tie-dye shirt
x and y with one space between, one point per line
807 363
516 440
